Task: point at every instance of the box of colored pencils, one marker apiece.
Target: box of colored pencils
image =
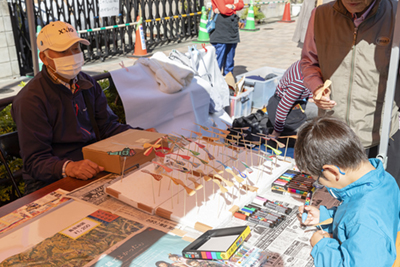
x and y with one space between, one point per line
217 244
293 182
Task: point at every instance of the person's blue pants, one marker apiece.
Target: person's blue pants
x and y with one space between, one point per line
225 55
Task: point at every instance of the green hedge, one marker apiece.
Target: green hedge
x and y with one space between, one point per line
7 125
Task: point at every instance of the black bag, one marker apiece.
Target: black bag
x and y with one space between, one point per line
257 123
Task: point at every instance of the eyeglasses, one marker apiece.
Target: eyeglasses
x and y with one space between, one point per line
319 176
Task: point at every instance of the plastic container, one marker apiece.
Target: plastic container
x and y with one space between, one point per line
241 105
263 90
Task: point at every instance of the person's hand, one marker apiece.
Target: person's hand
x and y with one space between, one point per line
216 11
312 216
230 6
317 236
83 169
274 135
325 101
151 130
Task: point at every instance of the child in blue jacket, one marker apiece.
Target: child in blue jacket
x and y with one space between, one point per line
365 224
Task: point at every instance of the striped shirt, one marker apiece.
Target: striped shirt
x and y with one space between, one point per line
290 89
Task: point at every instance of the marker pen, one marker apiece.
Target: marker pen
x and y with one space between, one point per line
307 203
247 210
284 179
269 217
272 215
262 219
258 201
244 212
278 190
277 182
277 207
251 205
274 207
261 198
250 208
253 220
305 183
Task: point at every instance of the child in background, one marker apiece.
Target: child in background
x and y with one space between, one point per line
365 224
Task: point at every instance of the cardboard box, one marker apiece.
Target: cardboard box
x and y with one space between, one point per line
133 139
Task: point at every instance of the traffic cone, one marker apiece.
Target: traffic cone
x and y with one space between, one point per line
140 42
286 14
203 34
250 25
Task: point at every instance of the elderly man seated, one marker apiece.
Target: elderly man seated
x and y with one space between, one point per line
60 111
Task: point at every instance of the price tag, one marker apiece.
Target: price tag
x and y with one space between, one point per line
80 228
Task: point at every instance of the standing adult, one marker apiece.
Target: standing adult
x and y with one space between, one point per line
226 33
349 42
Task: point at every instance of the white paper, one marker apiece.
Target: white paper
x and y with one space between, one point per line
108 8
218 243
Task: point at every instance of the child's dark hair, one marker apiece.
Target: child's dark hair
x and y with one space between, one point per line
327 140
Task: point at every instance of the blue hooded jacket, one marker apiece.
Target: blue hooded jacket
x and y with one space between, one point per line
365 224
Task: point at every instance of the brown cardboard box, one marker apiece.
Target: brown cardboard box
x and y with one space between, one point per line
236 87
133 139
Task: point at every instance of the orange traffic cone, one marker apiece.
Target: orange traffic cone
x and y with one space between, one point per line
140 42
286 14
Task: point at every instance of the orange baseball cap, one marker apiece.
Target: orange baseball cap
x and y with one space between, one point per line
58 36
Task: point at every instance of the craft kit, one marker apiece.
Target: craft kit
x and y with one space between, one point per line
217 244
198 181
122 152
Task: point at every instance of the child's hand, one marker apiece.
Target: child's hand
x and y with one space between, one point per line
317 236
312 217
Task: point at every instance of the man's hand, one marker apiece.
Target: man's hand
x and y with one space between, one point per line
83 169
151 130
323 101
312 217
317 236
216 11
274 135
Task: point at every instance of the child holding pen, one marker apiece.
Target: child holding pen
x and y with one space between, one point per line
365 224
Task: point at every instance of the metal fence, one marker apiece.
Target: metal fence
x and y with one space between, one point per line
164 21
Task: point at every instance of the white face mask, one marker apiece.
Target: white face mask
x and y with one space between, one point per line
69 66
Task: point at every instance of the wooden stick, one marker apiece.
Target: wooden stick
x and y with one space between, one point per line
172 198
152 187
222 131
123 169
184 206
287 142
